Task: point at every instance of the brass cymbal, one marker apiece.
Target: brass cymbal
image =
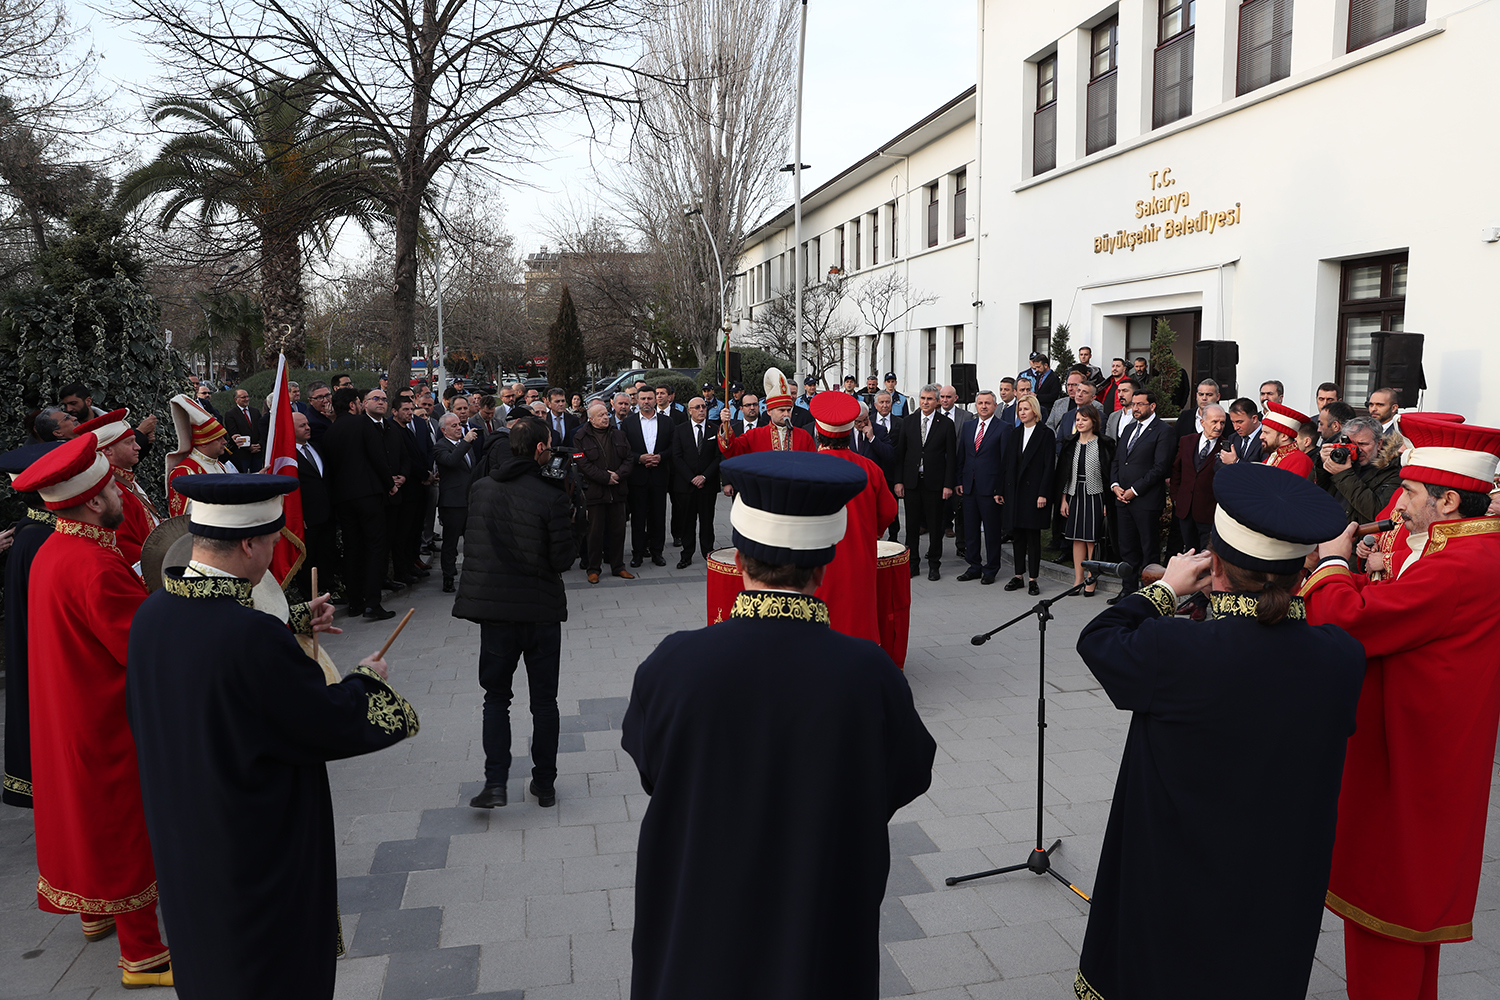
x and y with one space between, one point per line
169 545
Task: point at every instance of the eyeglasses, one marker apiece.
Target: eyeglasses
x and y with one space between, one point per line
322 395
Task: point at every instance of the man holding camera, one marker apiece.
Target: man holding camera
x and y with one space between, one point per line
1363 483
518 541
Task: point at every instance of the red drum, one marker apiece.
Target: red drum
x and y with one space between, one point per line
892 597
725 584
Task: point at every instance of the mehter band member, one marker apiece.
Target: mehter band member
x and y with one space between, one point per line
118 444
1229 786
92 853
779 434
201 441
1278 433
764 851
1416 785
232 750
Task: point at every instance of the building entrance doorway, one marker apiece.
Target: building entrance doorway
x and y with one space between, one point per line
1188 327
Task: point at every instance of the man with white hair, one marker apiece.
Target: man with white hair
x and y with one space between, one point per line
454 454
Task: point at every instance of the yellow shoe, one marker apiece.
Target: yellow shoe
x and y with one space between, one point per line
141 980
98 930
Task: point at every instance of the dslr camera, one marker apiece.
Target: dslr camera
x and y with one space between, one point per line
556 468
1341 454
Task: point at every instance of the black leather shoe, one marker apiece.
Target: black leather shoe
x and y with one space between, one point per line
658 561
969 574
1115 599
545 797
448 587
635 562
933 574
1091 593
492 796
338 602
915 571
379 614
1033 589
1014 583
987 580
354 612
389 584
684 562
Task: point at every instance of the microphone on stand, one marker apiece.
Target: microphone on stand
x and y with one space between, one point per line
1107 568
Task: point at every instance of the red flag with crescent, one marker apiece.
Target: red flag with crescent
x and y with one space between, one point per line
281 460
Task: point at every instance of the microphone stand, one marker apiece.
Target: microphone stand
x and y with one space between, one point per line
1039 862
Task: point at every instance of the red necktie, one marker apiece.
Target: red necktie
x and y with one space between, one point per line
978 435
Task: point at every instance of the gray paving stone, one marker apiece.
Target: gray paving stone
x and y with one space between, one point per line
410 855
522 879
457 820
571 743
939 962
444 886
364 893
567 913
896 923
602 956
424 975
1026 950
604 706
526 964
591 723
360 978
905 878
384 932
561 842
910 838
484 922
490 847
579 991
952 910
604 871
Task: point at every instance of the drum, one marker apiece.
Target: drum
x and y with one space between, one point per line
893 598
724 584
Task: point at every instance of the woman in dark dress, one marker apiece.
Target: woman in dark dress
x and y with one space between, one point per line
1082 468
1031 473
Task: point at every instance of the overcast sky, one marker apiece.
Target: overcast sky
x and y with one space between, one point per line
873 68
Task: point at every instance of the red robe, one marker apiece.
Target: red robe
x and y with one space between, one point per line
1292 459
140 519
1406 859
760 440
848 586
92 852
194 464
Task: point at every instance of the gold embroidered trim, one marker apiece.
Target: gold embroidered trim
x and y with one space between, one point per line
92 532
338 921
1243 606
1438 534
766 604
74 903
1322 576
202 587
1347 910
126 478
95 926
146 963
388 710
18 785
1161 598
300 619
44 516
1084 990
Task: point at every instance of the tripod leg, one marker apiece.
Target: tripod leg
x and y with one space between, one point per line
954 880
1083 895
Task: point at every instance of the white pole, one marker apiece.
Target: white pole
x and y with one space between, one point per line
798 264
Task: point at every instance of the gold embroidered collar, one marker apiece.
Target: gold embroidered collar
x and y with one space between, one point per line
1441 533
44 516
204 587
778 604
1243 606
82 529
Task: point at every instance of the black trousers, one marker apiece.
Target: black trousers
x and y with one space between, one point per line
406 543
925 507
323 552
1140 540
501 646
453 521
982 513
1026 548
648 519
606 527
894 532
697 506
366 550
1194 534
953 513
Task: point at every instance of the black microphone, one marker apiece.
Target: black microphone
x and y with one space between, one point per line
979 640
1108 568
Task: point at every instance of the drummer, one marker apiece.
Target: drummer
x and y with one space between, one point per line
780 435
201 441
117 443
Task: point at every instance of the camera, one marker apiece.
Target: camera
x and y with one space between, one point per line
1340 455
557 466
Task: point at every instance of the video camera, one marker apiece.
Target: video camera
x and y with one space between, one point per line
557 466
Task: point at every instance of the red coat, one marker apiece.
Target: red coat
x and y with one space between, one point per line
1292 459
760 440
1406 860
92 852
849 582
189 466
138 524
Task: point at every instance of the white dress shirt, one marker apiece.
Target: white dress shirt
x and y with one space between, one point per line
648 433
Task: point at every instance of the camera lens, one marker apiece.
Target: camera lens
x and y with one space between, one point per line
1339 455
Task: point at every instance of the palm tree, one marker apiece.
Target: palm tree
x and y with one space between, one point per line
273 155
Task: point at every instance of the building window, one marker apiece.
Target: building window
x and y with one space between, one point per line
957 335
1372 297
895 230
1372 20
932 215
931 333
889 348
960 204
838 239
1041 327
1044 122
1265 43
1103 77
1172 97
874 237
856 251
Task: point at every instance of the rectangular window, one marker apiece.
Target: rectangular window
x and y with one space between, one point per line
1044 121
1172 97
838 238
1041 327
1372 20
960 204
1265 43
932 215
1372 297
856 253
895 229
874 237
1103 85
957 335
931 354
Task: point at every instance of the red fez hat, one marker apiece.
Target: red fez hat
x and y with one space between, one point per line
70 474
1444 453
835 413
778 393
1283 418
109 428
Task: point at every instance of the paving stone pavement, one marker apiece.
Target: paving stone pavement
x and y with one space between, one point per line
440 900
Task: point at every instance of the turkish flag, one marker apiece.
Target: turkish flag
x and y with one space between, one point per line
281 460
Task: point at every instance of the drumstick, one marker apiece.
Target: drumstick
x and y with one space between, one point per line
315 594
381 655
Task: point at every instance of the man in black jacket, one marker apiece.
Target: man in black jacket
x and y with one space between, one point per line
317 512
927 460
454 454
518 541
695 478
650 437
1138 480
361 480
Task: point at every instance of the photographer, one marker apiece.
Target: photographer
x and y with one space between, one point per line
517 542
1362 482
1331 420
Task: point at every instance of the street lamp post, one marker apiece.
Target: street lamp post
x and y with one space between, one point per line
723 296
442 379
797 253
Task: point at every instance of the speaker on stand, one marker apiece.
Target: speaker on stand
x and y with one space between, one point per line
966 382
1216 359
1396 363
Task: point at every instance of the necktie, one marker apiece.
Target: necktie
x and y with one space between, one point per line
1207 445
1134 433
307 454
926 422
978 435
698 433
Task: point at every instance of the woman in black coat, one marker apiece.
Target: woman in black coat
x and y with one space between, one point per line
1031 484
1086 499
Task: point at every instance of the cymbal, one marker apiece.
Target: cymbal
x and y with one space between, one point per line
169 545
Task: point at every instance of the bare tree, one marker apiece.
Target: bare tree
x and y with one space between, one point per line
887 299
425 81
824 325
717 143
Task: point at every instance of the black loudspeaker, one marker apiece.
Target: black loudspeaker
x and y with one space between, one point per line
734 366
1396 363
966 382
1216 359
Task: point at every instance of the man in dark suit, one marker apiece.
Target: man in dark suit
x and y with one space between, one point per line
1138 479
750 416
1192 479
453 452
1190 420
650 436
667 405
564 424
1244 418
1006 406
317 513
406 545
926 460
982 446
695 478
884 419
242 421
361 481
873 442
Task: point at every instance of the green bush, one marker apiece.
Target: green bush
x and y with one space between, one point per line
684 387
753 365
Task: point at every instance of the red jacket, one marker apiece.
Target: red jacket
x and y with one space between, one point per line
848 586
